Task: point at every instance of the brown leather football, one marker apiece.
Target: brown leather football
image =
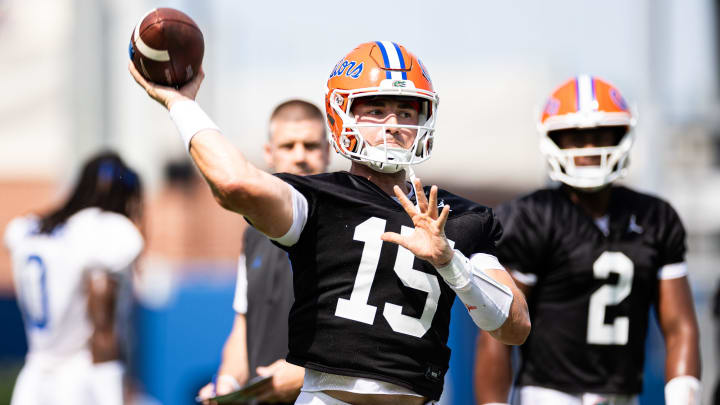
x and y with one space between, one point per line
167 47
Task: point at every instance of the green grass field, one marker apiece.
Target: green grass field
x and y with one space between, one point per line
8 374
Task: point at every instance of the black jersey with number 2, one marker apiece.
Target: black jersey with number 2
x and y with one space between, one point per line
591 291
368 308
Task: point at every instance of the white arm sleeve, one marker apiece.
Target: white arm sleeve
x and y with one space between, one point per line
240 301
487 300
300 214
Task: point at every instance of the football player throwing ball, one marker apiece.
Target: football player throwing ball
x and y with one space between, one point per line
376 263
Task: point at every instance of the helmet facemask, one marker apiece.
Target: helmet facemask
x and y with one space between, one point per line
612 161
594 125
383 157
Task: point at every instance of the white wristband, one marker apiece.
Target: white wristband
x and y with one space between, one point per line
228 379
457 272
683 390
190 119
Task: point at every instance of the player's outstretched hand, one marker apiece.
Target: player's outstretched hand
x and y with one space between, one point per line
427 241
165 95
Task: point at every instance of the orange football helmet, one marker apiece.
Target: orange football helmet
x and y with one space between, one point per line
586 102
380 68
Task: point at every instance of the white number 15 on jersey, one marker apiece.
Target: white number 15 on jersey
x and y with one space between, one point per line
357 309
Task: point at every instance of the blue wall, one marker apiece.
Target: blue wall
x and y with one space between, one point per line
12 337
179 346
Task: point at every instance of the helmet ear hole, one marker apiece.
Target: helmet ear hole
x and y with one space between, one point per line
349 142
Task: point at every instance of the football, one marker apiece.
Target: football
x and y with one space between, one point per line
167 47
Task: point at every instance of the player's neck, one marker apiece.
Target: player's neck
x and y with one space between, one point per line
385 181
594 203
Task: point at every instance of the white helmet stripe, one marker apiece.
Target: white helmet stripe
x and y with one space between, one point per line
393 59
586 93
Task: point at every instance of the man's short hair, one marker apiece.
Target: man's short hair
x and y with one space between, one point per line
297 110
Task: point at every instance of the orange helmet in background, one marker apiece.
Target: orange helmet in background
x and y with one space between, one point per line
579 103
380 68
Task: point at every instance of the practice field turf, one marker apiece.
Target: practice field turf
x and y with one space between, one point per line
8 373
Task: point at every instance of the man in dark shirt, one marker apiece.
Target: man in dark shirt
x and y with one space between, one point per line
258 342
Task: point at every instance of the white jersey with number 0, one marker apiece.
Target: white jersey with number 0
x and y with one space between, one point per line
51 273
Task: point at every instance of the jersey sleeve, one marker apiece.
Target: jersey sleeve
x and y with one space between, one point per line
304 204
112 243
519 247
300 213
16 230
492 231
672 244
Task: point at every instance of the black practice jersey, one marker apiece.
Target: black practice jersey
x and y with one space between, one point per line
592 291
368 308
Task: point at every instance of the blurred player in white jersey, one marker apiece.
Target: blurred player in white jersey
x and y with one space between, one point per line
67 265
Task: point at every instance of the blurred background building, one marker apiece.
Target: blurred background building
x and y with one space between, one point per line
67 93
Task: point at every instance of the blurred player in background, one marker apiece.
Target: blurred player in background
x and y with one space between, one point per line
258 342
592 257
370 320
67 266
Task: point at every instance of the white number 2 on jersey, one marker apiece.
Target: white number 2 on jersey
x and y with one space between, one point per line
357 309
598 332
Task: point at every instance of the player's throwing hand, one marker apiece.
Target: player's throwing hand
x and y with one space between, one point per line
166 95
427 241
